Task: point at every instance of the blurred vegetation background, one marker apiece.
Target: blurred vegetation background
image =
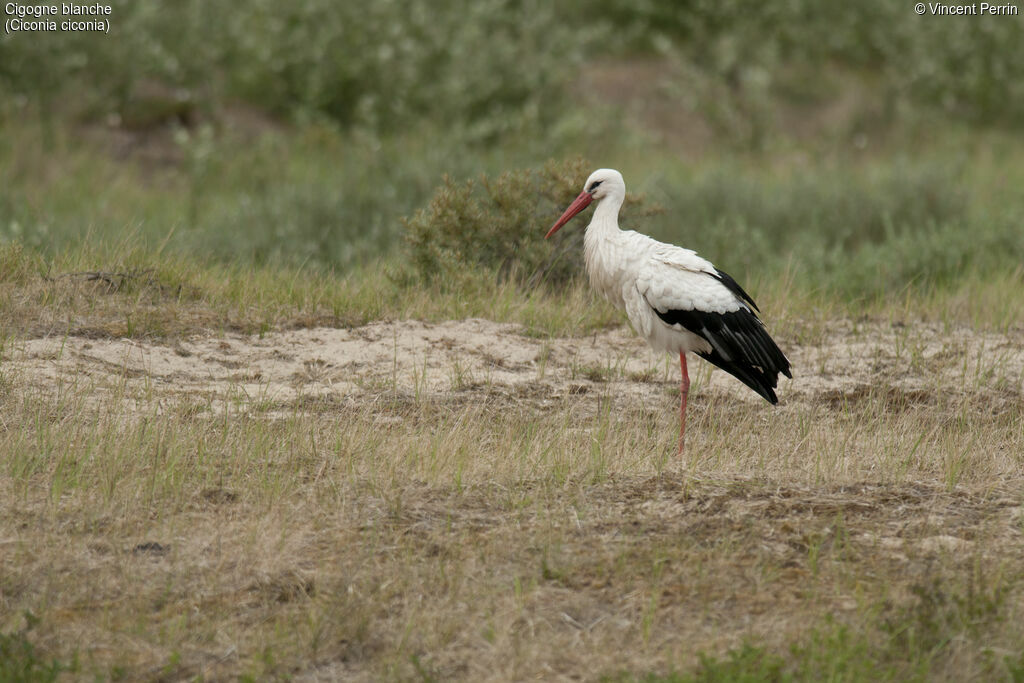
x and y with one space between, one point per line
855 148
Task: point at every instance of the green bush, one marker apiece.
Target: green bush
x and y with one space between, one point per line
500 224
487 67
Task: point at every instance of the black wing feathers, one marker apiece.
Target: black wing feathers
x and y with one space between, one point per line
735 288
740 344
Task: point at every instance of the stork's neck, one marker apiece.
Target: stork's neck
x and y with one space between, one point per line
601 250
606 217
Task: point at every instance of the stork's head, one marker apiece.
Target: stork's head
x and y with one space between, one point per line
602 183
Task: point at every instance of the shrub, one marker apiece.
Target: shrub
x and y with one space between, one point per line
500 224
486 67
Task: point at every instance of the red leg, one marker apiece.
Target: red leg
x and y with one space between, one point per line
684 393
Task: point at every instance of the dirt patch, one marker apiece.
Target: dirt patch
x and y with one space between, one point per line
900 367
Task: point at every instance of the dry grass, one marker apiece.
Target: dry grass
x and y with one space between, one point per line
467 512
125 290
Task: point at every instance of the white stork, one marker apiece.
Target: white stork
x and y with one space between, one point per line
676 300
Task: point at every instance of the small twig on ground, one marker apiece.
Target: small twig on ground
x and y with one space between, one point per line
114 280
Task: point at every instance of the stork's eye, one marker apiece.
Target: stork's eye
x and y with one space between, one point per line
593 185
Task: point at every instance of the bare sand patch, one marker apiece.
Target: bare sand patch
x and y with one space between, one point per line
916 363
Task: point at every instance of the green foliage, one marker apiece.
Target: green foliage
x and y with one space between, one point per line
500 224
858 229
383 101
312 196
897 643
748 664
923 257
843 206
941 612
336 206
19 660
910 641
485 67
736 55
497 223
500 65
1015 666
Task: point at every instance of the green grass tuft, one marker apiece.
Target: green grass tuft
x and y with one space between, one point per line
20 662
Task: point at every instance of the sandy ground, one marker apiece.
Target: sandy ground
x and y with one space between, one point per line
839 361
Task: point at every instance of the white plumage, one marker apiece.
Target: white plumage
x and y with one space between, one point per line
678 301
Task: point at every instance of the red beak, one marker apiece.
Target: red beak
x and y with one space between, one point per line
577 205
